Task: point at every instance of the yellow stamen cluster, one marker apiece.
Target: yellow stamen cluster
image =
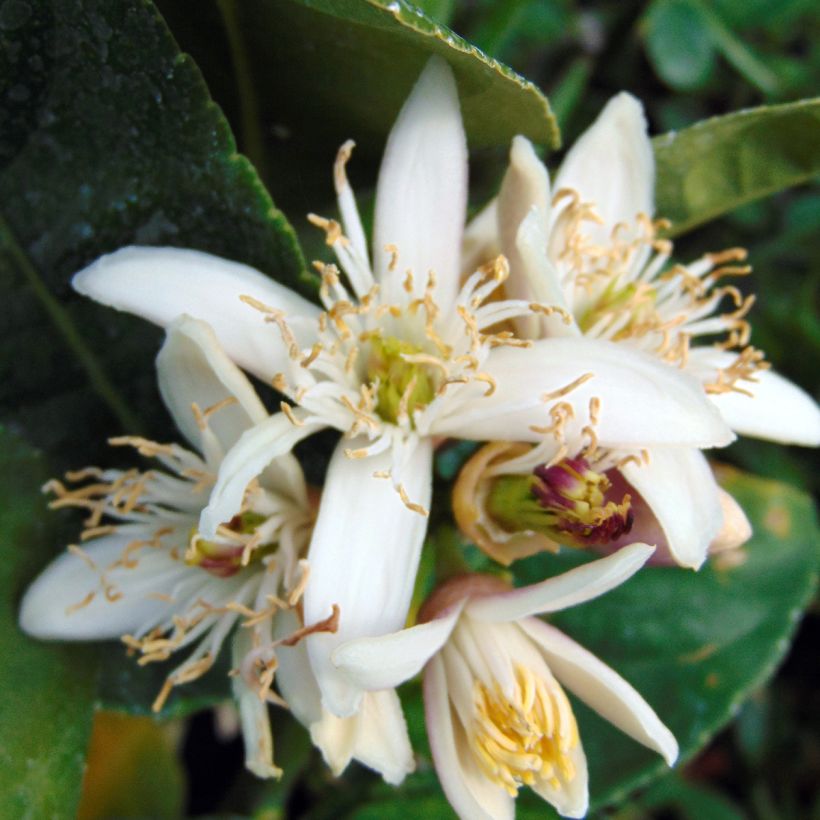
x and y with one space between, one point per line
525 738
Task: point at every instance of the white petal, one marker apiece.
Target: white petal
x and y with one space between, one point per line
254 451
602 688
735 528
612 166
294 677
680 489
562 591
421 194
777 409
571 798
471 795
363 557
480 241
193 369
386 661
51 606
253 714
643 400
160 284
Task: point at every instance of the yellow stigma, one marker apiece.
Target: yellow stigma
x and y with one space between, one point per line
527 738
404 386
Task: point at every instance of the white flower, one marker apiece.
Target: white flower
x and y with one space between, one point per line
591 248
403 356
143 574
497 715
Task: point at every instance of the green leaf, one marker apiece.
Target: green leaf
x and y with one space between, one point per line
721 163
694 644
679 44
107 137
48 689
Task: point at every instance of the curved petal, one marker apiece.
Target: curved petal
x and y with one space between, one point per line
571 798
255 450
563 591
421 196
160 284
612 165
601 688
253 714
471 795
193 369
777 409
678 486
55 604
642 400
386 661
363 557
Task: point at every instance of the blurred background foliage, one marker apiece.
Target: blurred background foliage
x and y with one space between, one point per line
687 60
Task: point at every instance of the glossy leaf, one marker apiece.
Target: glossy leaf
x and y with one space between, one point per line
107 137
719 164
48 688
694 644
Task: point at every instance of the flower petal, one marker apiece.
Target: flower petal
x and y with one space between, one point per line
735 528
562 591
255 450
386 661
363 557
612 166
253 714
678 486
602 688
777 409
294 677
643 401
471 795
480 241
54 605
421 196
160 284
193 369
571 798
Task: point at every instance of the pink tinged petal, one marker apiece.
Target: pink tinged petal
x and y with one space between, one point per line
387 661
160 284
55 604
421 194
255 450
571 799
472 796
777 409
193 369
612 166
363 557
601 688
643 401
562 591
678 486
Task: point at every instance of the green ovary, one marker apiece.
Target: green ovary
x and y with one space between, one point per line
403 386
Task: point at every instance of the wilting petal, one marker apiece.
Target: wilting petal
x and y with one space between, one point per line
363 557
470 793
386 661
680 489
253 714
193 369
562 591
421 195
612 166
251 455
602 688
777 409
53 605
643 401
160 284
